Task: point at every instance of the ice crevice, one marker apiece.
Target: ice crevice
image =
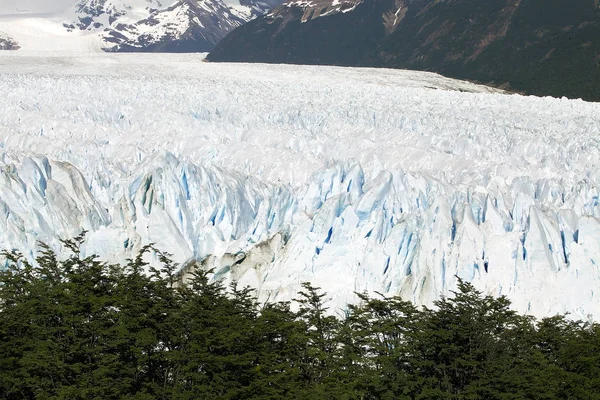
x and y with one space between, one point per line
353 179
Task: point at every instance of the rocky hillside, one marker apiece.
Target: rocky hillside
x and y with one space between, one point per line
187 26
543 47
7 43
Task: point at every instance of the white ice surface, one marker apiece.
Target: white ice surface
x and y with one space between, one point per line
354 179
44 36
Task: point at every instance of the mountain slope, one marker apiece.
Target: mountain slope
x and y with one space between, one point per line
101 14
539 47
155 25
187 26
313 32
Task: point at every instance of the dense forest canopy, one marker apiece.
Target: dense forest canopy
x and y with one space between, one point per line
79 328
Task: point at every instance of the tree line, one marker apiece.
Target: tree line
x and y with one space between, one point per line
79 328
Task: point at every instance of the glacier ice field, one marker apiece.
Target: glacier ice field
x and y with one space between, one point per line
353 179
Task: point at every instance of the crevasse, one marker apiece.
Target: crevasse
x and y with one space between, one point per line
353 179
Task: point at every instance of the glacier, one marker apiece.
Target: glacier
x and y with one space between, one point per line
357 180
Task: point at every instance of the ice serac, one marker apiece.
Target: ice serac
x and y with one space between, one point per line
403 233
396 233
43 200
356 180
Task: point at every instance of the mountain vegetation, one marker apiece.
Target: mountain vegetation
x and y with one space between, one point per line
532 46
79 328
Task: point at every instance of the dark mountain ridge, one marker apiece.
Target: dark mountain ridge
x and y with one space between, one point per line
541 47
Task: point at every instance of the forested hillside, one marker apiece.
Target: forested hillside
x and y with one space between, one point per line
77 328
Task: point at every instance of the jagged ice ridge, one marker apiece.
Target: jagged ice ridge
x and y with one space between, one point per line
354 179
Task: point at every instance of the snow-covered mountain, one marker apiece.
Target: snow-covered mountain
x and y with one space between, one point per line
7 43
250 9
353 179
314 8
158 25
186 26
101 14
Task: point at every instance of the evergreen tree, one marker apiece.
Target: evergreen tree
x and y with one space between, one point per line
384 332
319 356
79 328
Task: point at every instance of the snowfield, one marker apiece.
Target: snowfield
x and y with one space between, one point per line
353 179
44 35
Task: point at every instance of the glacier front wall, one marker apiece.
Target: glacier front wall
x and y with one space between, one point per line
355 180
399 233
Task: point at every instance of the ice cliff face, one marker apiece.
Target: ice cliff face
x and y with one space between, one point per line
356 180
